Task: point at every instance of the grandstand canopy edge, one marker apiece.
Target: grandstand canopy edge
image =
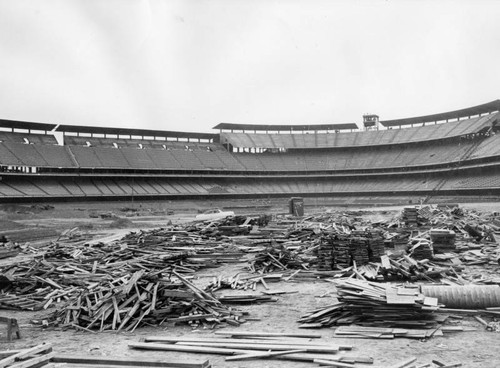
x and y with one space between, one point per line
75 129
284 128
25 125
486 108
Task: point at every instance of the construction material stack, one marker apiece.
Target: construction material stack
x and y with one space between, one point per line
443 240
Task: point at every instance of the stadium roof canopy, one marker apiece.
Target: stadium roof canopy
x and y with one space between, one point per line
451 115
16 124
262 127
131 132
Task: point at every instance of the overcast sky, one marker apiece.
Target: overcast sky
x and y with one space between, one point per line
188 65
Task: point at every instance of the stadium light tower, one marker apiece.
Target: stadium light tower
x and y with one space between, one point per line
370 122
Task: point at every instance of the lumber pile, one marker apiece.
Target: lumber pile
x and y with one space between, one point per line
376 305
443 240
409 216
245 345
142 299
337 251
120 285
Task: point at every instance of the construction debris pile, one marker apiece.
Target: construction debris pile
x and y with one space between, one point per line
120 285
376 305
277 257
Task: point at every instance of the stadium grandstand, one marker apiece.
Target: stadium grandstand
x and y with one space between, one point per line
455 153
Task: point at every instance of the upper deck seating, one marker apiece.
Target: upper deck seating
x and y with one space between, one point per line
85 157
26 154
27 138
357 139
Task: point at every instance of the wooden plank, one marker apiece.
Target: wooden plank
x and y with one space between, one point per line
263 355
333 363
404 363
71 359
39 359
256 333
289 341
187 348
24 353
269 346
7 353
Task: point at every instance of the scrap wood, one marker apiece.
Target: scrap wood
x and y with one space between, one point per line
120 285
35 361
277 257
11 359
372 304
137 300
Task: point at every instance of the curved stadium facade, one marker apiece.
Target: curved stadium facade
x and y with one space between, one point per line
454 153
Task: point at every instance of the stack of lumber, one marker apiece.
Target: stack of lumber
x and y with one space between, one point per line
341 251
410 215
376 246
443 240
244 345
358 247
325 255
372 304
422 249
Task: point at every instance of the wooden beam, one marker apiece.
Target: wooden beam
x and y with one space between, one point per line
71 359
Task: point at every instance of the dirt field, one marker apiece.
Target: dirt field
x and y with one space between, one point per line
473 349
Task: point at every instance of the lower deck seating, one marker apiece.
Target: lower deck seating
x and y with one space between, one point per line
95 187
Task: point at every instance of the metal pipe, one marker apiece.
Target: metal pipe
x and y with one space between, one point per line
465 297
